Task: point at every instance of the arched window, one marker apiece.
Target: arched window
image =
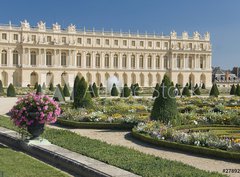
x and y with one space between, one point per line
88 60
33 58
149 61
106 61
49 59
157 62
165 62
4 57
97 61
133 62
124 61
79 60
141 61
115 61
63 59
15 57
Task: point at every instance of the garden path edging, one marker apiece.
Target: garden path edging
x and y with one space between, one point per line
72 162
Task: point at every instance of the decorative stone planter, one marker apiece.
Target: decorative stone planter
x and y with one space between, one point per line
35 129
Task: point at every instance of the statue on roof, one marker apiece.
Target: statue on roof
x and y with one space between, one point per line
25 25
41 26
71 28
56 27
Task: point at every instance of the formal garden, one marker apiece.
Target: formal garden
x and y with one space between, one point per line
167 116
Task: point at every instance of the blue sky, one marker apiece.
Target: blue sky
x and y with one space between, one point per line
220 17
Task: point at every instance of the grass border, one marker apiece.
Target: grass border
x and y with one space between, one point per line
95 125
187 148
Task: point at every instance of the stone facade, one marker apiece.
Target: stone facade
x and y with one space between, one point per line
41 54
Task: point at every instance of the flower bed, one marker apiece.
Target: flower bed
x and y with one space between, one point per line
209 137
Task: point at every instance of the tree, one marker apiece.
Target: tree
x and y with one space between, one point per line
114 91
214 91
1 87
51 88
237 93
82 97
11 91
186 91
36 85
39 90
233 90
196 90
203 86
156 91
61 90
95 90
66 92
165 106
125 91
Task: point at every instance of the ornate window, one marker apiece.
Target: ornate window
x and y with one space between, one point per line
4 57
157 62
63 59
133 61
88 60
79 60
15 57
149 61
124 61
49 59
115 61
107 61
33 58
202 62
97 61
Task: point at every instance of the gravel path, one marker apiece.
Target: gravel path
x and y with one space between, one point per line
124 138
6 104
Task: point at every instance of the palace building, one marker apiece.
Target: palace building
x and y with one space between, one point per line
56 55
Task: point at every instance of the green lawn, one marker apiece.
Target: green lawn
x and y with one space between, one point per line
125 158
18 164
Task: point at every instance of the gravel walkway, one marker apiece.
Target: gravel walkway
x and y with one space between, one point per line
124 138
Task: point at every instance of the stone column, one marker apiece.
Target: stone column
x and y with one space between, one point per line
154 61
145 62
93 60
29 57
186 58
120 61
102 60
9 57
44 58
128 61
137 61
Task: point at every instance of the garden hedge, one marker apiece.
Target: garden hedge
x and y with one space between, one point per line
95 125
188 148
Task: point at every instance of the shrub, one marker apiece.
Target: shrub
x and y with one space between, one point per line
11 91
36 85
125 91
156 90
39 90
1 87
233 90
203 86
66 92
164 107
101 87
90 90
177 86
214 91
196 90
95 90
237 93
114 91
51 88
135 89
186 91
58 94
44 86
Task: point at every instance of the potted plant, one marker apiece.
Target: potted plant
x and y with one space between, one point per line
33 111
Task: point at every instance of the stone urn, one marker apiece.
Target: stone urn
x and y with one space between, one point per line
36 128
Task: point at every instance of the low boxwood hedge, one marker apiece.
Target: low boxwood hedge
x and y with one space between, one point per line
188 148
95 125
